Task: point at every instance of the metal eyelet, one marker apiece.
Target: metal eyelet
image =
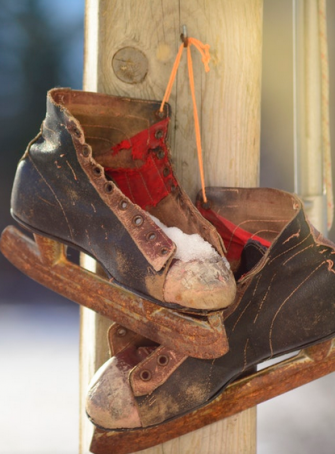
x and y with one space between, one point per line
151 236
121 332
85 151
166 171
205 205
109 187
159 152
138 220
164 251
97 171
145 375
159 134
77 132
123 205
163 360
161 114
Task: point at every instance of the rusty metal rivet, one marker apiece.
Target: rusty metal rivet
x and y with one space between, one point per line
138 220
123 205
166 171
164 251
85 151
130 65
159 133
109 187
145 375
163 360
121 332
151 236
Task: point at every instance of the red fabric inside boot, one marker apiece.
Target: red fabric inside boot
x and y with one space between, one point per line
149 183
233 236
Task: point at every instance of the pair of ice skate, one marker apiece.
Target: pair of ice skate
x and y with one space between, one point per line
96 178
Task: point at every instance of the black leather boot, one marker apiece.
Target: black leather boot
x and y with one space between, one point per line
89 179
286 302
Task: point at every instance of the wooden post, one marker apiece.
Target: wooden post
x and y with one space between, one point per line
312 171
130 49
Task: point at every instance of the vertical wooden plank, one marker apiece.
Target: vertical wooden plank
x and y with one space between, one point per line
311 130
147 34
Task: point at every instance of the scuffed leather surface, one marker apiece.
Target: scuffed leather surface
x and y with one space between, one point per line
283 304
58 193
53 195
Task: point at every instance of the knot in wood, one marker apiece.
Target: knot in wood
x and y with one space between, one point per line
130 65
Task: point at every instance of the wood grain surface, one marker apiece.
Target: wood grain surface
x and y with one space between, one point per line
130 47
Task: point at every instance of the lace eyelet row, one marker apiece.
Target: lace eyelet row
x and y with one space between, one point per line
146 374
108 187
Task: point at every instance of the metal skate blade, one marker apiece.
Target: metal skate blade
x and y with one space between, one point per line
45 261
310 364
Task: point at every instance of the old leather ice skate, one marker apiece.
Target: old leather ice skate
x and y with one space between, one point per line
284 303
90 179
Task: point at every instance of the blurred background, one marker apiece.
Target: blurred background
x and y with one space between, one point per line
41 46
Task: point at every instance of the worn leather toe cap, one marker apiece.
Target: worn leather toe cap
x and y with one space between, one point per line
110 403
207 285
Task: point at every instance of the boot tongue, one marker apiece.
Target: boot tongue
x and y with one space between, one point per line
145 175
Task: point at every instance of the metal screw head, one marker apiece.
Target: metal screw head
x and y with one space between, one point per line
121 332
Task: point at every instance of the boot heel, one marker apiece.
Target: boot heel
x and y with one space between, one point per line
50 251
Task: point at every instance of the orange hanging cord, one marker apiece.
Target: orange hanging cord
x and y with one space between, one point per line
204 51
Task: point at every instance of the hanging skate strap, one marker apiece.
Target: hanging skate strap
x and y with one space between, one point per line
204 51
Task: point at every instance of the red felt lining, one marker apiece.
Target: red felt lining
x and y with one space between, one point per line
149 184
233 236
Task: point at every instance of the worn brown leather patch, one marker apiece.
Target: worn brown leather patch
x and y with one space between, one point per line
154 370
120 338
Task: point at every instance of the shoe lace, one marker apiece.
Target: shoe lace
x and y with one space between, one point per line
204 51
